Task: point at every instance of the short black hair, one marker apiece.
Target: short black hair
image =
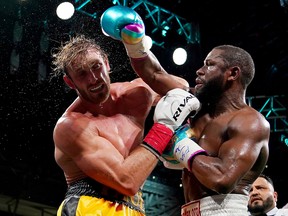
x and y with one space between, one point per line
267 178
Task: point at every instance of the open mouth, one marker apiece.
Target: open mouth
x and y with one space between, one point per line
96 88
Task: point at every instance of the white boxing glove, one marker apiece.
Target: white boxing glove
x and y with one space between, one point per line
170 112
175 107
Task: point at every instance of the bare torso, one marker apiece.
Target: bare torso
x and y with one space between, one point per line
119 121
223 137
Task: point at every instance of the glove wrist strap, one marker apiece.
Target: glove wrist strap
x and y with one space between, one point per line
157 138
138 50
185 150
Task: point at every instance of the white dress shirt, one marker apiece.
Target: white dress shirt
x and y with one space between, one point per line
277 212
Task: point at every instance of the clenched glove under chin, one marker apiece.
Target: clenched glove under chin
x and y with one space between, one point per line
170 112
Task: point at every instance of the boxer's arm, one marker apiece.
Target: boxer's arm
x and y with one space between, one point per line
244 150
151 71
123 23
145 63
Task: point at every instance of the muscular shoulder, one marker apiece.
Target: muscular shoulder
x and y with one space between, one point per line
250 118
69 127
250 126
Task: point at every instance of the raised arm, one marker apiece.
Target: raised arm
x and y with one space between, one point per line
124 24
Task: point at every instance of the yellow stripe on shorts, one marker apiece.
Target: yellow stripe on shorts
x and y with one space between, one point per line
93 206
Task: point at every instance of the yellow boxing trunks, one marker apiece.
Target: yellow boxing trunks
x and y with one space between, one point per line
217 205
87 197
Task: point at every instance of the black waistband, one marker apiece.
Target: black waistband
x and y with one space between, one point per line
89 187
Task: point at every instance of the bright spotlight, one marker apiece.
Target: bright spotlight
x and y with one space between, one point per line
179 56
147 42
65 10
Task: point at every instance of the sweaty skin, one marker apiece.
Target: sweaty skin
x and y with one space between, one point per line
99 130
236 155
234 135
92 130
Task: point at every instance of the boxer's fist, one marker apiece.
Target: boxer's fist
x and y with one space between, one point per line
114 20
181 149
182 132
170 112
123 23
175 107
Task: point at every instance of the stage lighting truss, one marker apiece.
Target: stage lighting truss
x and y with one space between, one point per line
157 20
272 107
80 6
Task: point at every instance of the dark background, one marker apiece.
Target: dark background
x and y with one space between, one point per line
32 103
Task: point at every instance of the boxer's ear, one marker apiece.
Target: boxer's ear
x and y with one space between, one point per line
107 64
234 73
68 81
